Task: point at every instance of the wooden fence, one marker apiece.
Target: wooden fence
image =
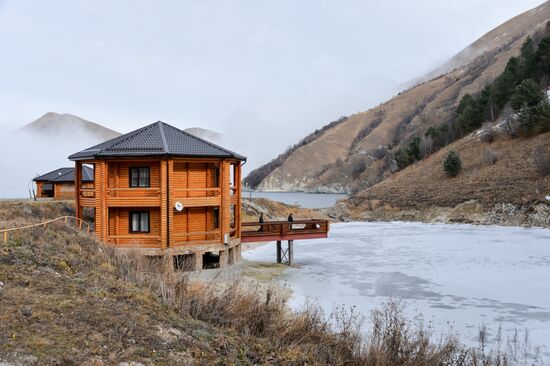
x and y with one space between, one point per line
78 222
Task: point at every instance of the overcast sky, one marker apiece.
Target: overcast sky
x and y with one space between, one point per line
265 73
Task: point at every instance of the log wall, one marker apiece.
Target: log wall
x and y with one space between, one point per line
201 185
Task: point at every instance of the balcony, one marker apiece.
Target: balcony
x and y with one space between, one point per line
197 197
133 197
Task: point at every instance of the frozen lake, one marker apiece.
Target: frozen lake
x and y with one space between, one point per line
302 199
454 276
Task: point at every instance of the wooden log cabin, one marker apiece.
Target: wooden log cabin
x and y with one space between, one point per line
59 184
164 190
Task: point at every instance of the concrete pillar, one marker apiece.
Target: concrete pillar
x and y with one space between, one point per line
231 256
224 258
290 252
196 262
279 252
238 253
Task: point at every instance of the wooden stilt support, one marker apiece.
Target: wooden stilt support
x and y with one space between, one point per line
279 252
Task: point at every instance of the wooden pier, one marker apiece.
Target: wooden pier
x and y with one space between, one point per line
279 231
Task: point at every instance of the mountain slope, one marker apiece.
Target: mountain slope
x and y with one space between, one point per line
510 177
53 124
357 153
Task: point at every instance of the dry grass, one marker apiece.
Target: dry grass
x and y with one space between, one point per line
67 299
511 179
541 159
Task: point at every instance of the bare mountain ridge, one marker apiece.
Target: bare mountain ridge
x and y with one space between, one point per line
54 124
353 155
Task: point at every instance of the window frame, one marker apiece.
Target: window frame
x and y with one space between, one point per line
130 176
139 213
216 217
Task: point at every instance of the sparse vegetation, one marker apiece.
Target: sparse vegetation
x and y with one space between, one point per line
487 135
358 166
516 96
541 159
256 176
452 165
490 156
378 118
111 306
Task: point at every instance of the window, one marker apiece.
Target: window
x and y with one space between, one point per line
139 177
139 221
216 217
216 177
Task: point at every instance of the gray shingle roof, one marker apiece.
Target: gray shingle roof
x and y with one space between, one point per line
66 175
52 175
87 175
156 139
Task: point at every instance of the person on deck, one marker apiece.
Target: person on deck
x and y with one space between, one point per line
290 219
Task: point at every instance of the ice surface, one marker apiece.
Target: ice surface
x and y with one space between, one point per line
454 277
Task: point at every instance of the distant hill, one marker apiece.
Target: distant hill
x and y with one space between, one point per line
356 152
52 124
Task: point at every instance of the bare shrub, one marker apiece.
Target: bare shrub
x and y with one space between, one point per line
487 134
427 146
490 156
379 153
358 166
510 121
541 159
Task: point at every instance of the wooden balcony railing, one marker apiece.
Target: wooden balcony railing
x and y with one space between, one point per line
138 240
196 192
193 237
133 192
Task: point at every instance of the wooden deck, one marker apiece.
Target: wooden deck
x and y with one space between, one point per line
254 232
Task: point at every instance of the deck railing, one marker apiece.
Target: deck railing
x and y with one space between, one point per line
282 228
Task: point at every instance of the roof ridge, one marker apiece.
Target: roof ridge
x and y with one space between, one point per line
64 174
163 136
202 140
129 135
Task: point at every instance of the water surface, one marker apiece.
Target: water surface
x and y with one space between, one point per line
454 277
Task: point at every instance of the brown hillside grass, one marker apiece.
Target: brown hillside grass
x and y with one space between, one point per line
513 177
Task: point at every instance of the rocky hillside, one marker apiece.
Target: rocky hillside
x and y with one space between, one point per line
357 152
55 124
501 182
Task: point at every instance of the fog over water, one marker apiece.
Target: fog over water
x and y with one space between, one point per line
264 74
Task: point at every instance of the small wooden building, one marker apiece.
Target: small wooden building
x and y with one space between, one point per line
165 191
59 184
